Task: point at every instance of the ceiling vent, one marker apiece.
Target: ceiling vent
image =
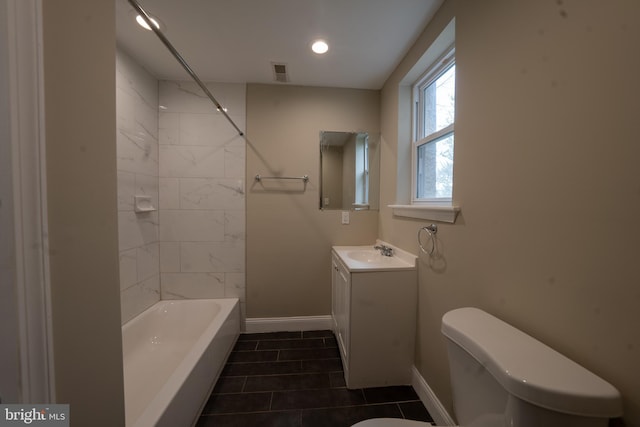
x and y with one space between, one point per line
280 72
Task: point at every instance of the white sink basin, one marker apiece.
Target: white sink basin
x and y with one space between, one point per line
369 256
366 258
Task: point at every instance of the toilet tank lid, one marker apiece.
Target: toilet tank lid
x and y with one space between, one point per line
529 369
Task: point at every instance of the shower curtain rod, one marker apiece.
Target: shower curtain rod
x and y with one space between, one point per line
182 62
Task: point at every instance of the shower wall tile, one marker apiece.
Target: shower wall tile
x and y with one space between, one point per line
169 257
138 84
220 257
147 185
202 192
234 160
212 193
192 226
187 97
180 161
169 193
137 229
169 128
148 261
137 298
234 225
200 129
234 286
126 190
128 268
211 130
184 97
192 285
137 152
137 163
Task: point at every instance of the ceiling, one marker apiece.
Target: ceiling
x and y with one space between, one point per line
239 40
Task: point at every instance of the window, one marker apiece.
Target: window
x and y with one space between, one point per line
362 170
433 141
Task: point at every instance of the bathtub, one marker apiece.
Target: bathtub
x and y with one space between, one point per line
173 354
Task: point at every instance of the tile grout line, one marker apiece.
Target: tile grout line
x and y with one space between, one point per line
400 409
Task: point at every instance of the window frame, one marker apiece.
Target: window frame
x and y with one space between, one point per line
433 72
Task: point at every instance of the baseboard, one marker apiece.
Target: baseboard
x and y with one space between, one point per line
430 400
283 324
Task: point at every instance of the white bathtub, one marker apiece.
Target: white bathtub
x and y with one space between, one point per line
173 354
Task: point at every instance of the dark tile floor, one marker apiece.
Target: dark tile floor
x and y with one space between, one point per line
295 379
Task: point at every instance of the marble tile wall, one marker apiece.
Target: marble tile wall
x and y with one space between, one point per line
202 192
138 161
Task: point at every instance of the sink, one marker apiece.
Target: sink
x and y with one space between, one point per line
369 256
366 258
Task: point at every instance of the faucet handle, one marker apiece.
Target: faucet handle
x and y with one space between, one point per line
384 250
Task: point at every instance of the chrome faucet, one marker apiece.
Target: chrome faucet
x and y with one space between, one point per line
384 250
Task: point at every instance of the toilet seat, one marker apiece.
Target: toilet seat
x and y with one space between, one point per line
487 420
390 422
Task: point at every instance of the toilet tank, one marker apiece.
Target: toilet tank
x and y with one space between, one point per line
498 371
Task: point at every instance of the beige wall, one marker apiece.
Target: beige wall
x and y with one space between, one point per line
546 175
288 238
79 67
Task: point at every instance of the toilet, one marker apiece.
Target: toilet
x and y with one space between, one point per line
502 377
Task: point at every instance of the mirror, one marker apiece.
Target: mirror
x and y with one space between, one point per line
349 170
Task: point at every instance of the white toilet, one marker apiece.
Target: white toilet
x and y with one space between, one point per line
502 377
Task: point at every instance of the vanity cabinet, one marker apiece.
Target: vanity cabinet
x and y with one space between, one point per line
374 320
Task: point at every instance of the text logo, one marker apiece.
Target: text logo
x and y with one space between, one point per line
34 415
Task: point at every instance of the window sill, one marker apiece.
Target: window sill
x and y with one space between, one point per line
433 212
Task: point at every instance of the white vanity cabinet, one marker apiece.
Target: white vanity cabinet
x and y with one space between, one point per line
374 317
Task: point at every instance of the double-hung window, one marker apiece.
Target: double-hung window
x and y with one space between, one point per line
432 151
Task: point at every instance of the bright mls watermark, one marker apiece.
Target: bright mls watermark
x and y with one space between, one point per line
34 415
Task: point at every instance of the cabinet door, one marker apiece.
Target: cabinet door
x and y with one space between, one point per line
343 298
335 302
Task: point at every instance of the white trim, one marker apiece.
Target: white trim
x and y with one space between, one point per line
284 324
430 400
444 212
26 101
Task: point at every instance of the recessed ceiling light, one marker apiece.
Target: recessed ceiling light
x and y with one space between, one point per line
140 20
320 47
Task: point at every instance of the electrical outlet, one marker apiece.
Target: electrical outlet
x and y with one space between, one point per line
345 217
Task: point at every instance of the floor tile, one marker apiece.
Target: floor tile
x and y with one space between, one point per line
331 342
287 382
289 344
322 365
237 402
337 379
260 419
262 368
245 345
415 411
229 385
390 394
346 417
316 334
296 379
270 336
309 354
253 356
322 398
